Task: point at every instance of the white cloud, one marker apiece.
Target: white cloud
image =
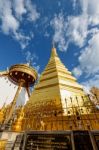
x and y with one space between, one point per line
24 40
77 29
25 7
19 7
93 82
89 58
91 8
31 59
9 22
32 12
11 16
59 25
74 3
70 30
77 72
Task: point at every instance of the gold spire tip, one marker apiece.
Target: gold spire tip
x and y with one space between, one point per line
54 53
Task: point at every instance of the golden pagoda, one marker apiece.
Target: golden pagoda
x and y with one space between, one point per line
58 101
56 82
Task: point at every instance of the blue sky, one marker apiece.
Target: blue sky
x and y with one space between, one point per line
28 27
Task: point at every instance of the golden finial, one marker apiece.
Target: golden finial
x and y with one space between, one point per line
54 53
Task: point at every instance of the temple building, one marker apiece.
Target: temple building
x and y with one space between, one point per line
58 115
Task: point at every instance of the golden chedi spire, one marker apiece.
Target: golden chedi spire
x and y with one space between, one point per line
56 82
57 96
53 53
